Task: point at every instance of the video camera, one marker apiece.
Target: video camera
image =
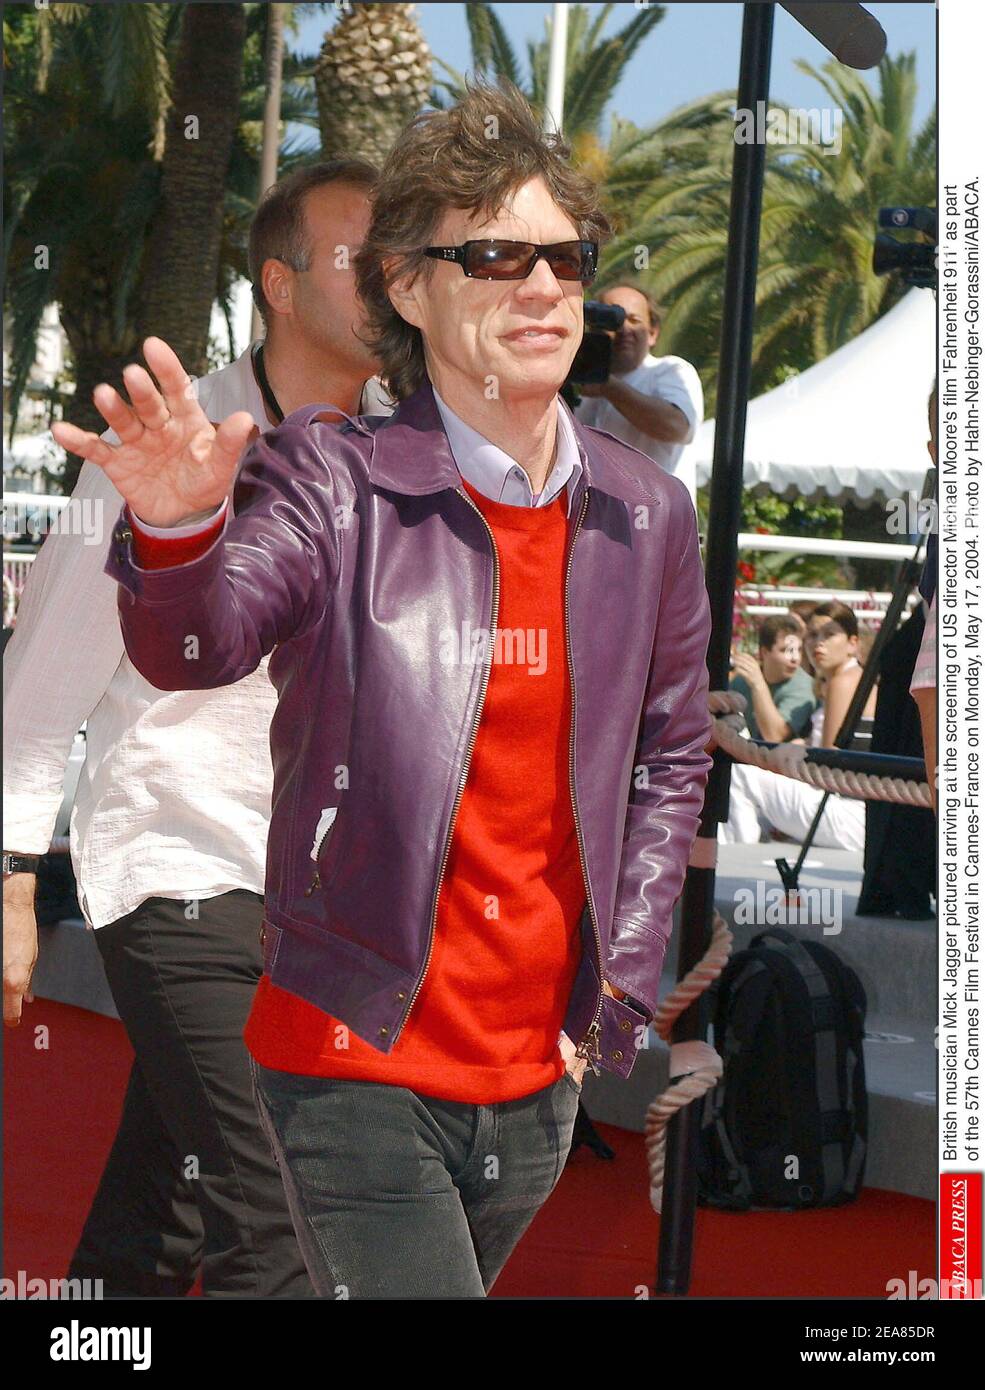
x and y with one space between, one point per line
593 359
916 261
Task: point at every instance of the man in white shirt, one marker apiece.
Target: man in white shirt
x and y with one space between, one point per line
653 403
169 826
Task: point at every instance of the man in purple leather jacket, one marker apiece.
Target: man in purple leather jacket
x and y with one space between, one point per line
345 550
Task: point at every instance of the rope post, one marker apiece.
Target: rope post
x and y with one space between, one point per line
721 560
680 1188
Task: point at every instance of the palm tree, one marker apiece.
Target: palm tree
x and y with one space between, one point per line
594 69
86 90
816 289
373 76
135 72
83 176
183 248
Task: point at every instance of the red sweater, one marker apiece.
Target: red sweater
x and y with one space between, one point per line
506 948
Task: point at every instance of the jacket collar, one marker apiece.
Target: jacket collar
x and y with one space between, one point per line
411 455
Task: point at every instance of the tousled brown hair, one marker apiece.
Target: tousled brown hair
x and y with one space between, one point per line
472 156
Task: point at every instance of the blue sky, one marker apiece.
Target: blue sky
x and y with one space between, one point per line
692 52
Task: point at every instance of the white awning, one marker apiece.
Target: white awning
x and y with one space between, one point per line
853 427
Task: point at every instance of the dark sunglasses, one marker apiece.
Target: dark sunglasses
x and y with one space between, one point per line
514 260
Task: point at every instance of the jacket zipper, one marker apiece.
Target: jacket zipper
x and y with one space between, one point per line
316 881
589 1046
468 758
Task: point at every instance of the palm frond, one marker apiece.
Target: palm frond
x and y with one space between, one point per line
492 51
135 70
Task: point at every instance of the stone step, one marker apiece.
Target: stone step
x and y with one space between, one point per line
896 960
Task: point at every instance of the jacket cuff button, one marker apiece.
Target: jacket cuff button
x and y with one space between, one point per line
625 1025
617 1056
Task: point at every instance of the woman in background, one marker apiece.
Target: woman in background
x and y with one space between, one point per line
833 643
763 801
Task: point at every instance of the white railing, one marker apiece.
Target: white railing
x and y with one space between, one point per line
15 568
763 601
33 502
842 549
30 514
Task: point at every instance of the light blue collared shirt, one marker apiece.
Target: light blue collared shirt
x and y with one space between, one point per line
492 472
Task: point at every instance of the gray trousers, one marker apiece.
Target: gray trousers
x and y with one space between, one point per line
398 1195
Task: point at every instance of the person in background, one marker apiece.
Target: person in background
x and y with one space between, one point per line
653 403
762 801
923 686
170 824
900 869
779 697
833 644
801 611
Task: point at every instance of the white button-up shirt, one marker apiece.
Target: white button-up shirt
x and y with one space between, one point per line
667 378
174 797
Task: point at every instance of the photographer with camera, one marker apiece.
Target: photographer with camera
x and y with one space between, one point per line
653 403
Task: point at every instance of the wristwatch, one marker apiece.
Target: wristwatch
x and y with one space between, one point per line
20 863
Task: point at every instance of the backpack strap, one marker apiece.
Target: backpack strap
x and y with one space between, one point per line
825 1018
848 997
749 989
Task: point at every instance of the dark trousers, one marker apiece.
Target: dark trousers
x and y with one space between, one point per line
900 869
190 1183
399 1195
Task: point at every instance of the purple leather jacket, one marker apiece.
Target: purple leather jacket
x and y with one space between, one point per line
350 549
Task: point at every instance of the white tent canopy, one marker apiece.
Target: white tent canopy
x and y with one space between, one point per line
853 427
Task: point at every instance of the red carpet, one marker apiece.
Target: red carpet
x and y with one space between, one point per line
65 1071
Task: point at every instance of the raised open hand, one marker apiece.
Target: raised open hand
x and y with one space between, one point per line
171 464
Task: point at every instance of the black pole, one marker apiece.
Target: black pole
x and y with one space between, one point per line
721 560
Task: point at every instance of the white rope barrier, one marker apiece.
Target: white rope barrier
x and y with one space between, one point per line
696 1065
790 760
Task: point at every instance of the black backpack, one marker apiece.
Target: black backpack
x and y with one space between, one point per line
789 1018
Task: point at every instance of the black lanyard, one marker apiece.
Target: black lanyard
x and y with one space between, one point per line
265 391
